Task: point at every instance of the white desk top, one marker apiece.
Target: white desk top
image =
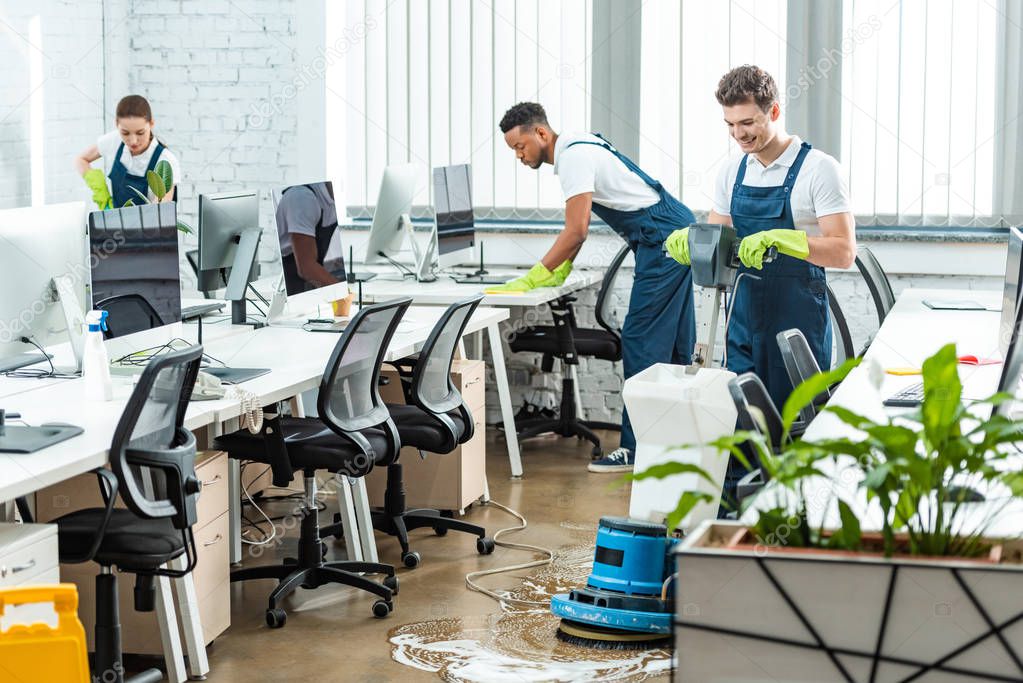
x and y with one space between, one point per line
444 291
296 359
910 333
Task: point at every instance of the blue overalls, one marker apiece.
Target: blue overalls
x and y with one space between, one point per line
660 326
121 181
791 293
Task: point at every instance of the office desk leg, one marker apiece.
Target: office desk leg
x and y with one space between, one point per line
166 616
363 520
349 521
191 624
504 395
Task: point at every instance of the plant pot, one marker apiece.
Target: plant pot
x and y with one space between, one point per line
752 614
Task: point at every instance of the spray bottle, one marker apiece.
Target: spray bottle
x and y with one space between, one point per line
95 363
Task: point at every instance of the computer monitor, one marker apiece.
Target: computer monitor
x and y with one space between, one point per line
289 289
1012 366
1011 291
144 263
44 275
391 218
229 235
452 204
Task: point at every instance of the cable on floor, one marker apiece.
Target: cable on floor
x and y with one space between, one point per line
470 578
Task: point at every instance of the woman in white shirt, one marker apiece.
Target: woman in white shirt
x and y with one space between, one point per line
128 153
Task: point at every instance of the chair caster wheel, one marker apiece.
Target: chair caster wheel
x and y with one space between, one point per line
440 530
276 617
485 545
392 583
381 608
411 560
337 520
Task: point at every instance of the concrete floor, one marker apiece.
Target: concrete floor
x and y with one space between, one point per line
331 635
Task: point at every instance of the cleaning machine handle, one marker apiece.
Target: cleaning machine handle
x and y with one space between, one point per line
769 256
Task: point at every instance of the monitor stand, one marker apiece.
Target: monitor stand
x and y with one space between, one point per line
482 276
423 258
241 272
351 276
231 375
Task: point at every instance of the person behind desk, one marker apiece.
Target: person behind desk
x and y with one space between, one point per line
780 193
128 153
660 325
306 223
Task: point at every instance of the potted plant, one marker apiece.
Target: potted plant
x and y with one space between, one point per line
797 590
160 180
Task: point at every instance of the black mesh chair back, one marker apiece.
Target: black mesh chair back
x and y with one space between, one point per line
152 454
757 411
840 330
432 388
348 399
128 313
801 366
877 282
606 309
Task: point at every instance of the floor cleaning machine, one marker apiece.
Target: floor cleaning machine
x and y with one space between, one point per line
627 602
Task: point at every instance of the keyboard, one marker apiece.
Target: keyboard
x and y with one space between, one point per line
910 397
199 310
325 326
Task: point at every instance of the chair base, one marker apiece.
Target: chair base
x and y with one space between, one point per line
393 519
309 570
567 423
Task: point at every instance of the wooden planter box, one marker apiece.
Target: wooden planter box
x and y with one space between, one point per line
756 614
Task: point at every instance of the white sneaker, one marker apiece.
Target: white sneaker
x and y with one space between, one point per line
618 460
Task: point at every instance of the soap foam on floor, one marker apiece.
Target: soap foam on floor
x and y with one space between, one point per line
518 644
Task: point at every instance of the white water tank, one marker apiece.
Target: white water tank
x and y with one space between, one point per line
671 408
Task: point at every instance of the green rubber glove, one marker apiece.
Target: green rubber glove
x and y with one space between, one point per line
538 276
562 272
97 182
677 246
788 241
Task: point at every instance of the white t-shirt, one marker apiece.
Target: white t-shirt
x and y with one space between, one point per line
108 144
588 168
820 188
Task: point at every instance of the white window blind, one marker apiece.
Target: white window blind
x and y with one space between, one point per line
427 82
918 120
687 47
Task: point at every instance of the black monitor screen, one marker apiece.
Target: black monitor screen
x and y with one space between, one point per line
134 251
1010 295
452 200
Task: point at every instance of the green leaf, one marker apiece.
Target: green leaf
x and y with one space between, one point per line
686 502
128 203
807 391
144 198
850 418
185 227
942 391
156 185
876 477
668 469
166 173
851 534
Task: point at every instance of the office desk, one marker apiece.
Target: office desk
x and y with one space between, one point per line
910 333
297 359
445 291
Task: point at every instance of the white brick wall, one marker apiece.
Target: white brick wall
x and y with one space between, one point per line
72 92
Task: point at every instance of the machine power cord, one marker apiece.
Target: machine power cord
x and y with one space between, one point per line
470 578
729 304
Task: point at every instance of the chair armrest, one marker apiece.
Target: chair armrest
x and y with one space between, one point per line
108 489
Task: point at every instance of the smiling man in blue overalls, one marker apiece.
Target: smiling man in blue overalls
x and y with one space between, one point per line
780 193
659 327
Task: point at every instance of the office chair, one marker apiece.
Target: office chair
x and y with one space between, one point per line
566 341
756 413
434 418
352 434
878 285
128 313
801 365
152 458
840 327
